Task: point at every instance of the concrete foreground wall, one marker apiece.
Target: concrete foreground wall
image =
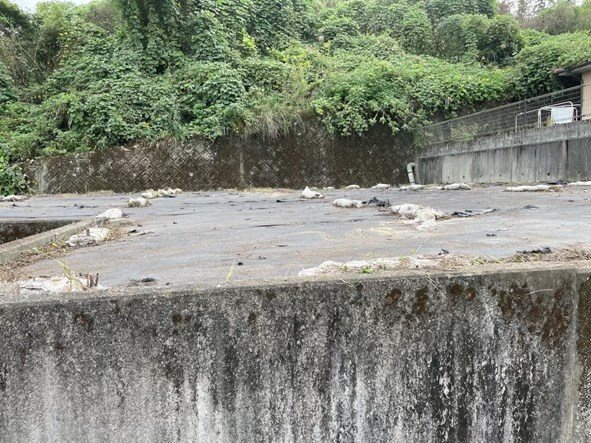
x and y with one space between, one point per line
480 358
560 152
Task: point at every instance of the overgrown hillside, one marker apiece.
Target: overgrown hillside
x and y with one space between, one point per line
77 78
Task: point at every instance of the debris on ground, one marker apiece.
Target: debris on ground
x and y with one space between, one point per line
471 212
309 194
531 207
167 192
377 202
145 281
381 186
90 237
139 202
580 184
352 187
149 194
347 203
385 264
420 216
456 187
61 284
412 187
112 214
443 260
541 250
329 188
14 198
533 188
136 231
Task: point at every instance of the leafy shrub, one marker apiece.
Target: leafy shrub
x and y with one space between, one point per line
536 64
403 93
408 23
474 37
460 36
382 46
502 40
531 37
564 16
339 27
373 93
265 73
12 179
439 9
132 108
211 97
7 90
413 29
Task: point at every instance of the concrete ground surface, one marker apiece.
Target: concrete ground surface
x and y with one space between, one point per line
217 237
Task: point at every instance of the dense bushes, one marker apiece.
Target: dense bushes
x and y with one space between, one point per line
404 92
474 37
537 63
7 91
114 71
12 179
564 16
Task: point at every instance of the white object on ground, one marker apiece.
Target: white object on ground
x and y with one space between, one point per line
90 237
381 186
14 198
308 193
412 188
580 184
329 188
57 284
149 194
352 187
347 203
456 187
531 188
112 214
422 217
381 264
139 202
167 192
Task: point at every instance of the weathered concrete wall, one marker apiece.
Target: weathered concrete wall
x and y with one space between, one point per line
308 156
560 152
490 357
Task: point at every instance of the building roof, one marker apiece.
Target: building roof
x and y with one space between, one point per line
577 69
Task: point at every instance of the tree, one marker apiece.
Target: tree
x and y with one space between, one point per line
439 9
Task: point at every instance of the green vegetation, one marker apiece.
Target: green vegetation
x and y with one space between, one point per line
564 16
78 78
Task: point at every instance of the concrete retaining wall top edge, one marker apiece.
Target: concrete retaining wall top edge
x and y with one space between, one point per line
300 285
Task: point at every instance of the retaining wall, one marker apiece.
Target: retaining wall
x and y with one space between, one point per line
308 156
560 152
498 356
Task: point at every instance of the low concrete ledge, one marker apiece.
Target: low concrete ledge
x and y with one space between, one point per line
17 249
556 153
573 131
491 356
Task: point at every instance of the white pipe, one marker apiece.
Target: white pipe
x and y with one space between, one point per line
411 175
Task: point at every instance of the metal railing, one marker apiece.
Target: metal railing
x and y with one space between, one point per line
545 110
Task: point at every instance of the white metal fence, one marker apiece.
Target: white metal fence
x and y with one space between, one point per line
559 107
